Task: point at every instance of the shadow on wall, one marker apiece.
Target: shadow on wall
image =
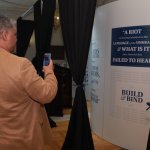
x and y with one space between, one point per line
103 2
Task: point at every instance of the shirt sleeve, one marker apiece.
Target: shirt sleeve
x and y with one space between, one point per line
39 89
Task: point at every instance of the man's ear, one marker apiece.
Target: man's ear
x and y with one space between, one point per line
4 35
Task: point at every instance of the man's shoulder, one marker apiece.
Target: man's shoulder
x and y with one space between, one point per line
18 58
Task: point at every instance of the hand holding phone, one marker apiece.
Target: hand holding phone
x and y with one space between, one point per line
47 58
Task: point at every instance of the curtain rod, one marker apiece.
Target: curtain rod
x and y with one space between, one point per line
28 11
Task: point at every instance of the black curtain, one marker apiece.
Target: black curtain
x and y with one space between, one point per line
148 142
24 33
77 21
43 30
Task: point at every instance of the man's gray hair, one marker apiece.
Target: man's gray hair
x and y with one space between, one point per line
6 23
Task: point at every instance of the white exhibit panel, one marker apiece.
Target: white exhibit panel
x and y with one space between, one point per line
121 33
97 73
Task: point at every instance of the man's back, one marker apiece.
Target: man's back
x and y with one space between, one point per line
21 114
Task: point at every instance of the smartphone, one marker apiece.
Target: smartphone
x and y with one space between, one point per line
47 58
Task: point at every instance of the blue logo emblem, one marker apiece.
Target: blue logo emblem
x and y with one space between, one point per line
148 104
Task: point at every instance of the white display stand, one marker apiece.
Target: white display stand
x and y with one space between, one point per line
114 117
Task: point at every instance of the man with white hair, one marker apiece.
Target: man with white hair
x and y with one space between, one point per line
23 120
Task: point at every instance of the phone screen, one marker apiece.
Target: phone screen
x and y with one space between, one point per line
47 58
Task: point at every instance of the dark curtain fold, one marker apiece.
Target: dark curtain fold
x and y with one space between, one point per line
37 18
76 18
43 30
24 33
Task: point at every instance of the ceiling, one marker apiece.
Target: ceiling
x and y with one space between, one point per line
16 8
